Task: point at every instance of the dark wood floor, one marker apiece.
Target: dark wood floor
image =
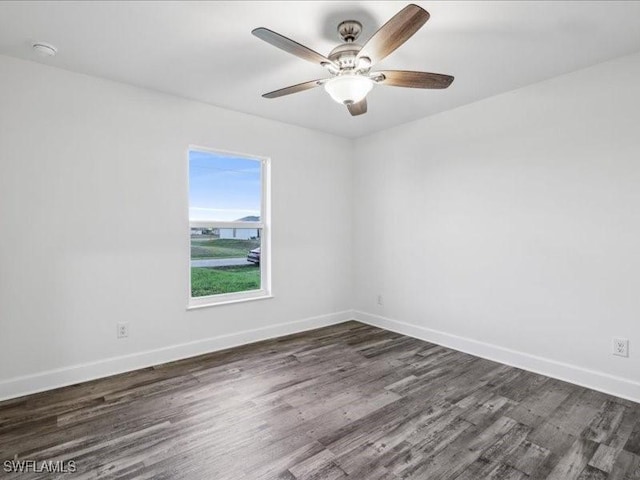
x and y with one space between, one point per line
347 401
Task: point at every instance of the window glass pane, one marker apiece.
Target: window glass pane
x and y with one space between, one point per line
224 260
223 187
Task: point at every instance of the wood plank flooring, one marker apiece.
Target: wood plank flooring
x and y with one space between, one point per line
344 402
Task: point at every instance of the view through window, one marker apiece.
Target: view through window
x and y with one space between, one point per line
227 229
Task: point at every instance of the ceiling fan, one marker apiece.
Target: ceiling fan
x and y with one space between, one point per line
350 63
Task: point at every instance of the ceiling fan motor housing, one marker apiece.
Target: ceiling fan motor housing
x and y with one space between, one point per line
345 55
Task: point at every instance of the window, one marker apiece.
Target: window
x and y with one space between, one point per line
229 231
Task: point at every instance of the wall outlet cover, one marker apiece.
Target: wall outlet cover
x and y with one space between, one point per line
621 347
123 329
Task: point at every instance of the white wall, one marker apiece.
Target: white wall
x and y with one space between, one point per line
508 228
511 227
93 215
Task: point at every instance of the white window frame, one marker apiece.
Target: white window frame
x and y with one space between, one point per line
264 225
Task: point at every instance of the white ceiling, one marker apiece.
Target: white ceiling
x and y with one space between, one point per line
205 50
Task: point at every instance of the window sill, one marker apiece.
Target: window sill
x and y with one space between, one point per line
225 301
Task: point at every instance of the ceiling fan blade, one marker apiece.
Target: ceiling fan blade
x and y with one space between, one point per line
404 78
300 87
358 108
291 46
394 33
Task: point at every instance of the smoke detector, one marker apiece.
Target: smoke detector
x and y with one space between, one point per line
44 49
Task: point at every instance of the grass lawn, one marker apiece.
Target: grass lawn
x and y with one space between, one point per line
212 281
221 247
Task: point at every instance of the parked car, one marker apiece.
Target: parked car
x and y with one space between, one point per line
254 256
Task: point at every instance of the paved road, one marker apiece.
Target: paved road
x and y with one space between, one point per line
220 262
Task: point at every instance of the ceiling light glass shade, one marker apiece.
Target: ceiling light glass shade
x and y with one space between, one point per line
348 88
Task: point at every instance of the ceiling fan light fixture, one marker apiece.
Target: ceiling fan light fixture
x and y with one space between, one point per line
350 63
347 89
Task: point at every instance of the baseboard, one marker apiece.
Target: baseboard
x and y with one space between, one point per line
48 380
603 382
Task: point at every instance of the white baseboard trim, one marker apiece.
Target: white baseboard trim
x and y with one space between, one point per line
603 382
61 377
48 380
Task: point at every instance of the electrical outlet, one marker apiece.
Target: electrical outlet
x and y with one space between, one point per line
380 301
621 347
123 329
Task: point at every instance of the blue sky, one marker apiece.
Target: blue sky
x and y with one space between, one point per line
222 187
